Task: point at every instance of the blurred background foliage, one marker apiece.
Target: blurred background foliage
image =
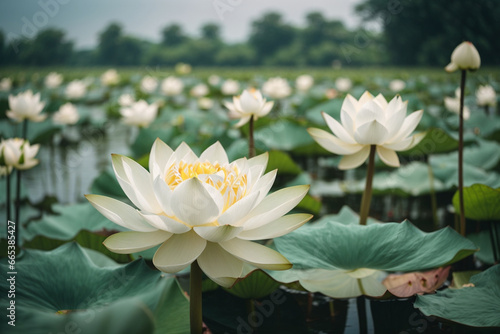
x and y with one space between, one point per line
413 33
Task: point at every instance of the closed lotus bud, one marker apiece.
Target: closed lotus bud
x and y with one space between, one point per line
464 57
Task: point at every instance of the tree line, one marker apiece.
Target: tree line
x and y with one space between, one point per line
413 33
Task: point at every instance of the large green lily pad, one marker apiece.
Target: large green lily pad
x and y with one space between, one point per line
65 287
477 305
436 140
387 246
283 135
480 202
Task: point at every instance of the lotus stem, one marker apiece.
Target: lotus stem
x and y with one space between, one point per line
493 243
7 180
195 306
367 194
432 193
361 307
461 154
18 185
251 144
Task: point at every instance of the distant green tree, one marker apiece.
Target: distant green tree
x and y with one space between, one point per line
269 34
426 32
173 35
109 51
211 31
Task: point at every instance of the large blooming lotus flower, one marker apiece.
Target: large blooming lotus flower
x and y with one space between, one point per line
26 105
18 153
139 113
201 208
464 57
369 121
249 103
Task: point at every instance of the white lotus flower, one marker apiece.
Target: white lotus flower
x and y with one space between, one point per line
453 104
199 90
397 85
343 84
369 121
67 114
486 96
5 170
230 87
201 208
214 80
76 89
110 77
53 80
276 88
148 84
26 105
304 82
5 84
464 57
18 153
249 103
205 103
126 100
172 86
140 113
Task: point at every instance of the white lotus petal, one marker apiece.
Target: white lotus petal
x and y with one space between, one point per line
266 109
238 210
331 143
277 228
136 182
218 233
368 113
248 103
259 161
274 206
178 252
132 242
389 157
120 213
381 101
215 153
409 125
337 129
242 121
219 265
258 255
163 195
193 203
264 184
182 151
371 133
354 160
401 145
158 158
365 98
165 223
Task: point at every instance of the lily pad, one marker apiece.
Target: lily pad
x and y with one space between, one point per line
255 286
64 287
480 202
476 305
483 241
284 135
388 246
283 163
436 140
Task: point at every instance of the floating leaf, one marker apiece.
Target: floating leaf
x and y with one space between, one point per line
254 286
283 163
283 135
480 202
483 241
436 140
64 287
477 305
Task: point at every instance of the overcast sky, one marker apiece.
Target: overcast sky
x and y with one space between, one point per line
84 19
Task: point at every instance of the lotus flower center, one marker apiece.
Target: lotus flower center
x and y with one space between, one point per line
228 180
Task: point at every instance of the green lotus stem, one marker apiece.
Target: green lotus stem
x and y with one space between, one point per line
251 144
492 240
18 185
195 306
361 307
7 180
367 194
433 194
461 154
486 109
